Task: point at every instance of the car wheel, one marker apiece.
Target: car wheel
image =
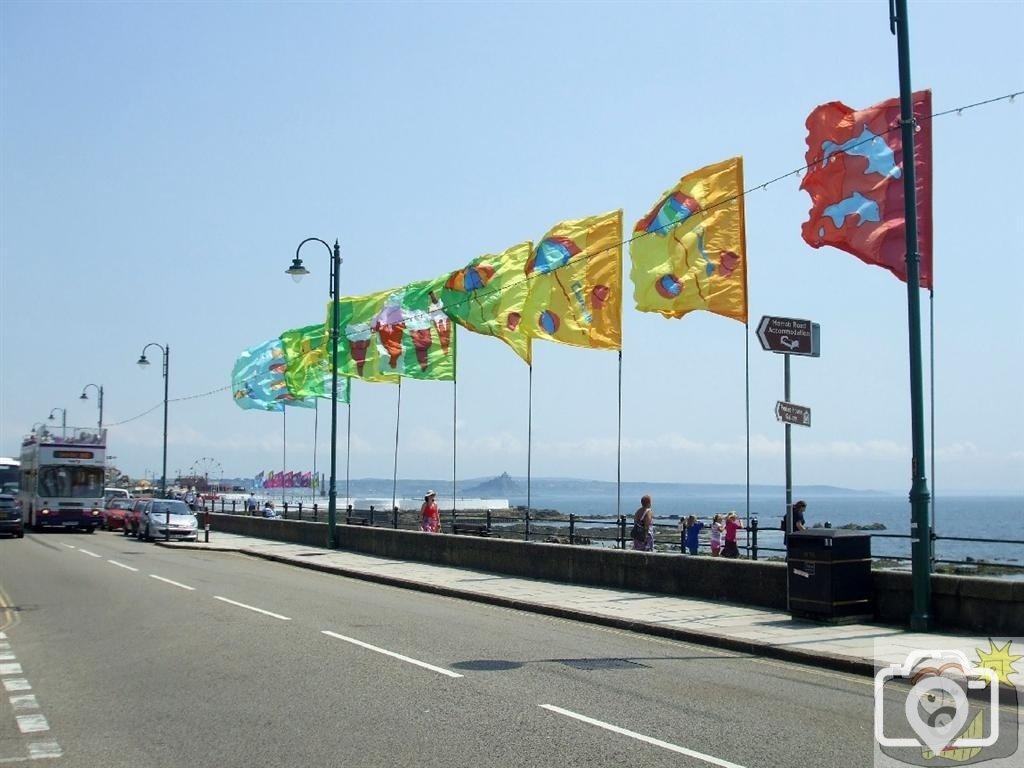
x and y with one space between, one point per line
144 534
20 534
91 529
124 531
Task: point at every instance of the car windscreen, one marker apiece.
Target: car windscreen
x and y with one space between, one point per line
172 507
119 504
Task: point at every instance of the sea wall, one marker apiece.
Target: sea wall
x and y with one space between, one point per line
980 605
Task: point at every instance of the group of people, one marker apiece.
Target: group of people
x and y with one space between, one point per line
252 506
724 531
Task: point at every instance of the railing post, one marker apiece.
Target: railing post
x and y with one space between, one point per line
527 526
488 521
753 539
622 531
300 510
371 517
284 507
682 540
394 519
455 517
572 528
316 511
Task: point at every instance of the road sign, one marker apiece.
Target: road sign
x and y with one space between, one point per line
790 336
791 413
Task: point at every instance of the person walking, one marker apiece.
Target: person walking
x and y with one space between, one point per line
430 517
251 505
732 525
643 526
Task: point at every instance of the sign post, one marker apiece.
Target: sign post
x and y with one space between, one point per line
789 336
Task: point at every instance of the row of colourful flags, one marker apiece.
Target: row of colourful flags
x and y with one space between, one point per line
687 253
271 479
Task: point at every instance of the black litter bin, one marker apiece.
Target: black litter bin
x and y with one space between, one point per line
830 575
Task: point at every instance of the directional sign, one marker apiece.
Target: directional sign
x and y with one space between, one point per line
791 413
790 336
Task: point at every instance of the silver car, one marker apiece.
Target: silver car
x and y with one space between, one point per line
161 515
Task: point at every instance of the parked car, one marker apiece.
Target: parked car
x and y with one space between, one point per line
155 515
114 513
131 518
116 493
10 516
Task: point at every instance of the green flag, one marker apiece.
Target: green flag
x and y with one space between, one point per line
307 353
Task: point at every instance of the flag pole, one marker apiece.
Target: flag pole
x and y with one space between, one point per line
398 416
348 448
316 420
920 525
455 419
284 448
746 378
618 451
529 438
931 395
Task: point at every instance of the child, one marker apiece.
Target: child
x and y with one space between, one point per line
693 529
732 524
716 535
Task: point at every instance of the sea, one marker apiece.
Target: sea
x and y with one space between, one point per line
995 522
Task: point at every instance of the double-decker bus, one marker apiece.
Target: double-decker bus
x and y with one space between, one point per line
62 478
10 475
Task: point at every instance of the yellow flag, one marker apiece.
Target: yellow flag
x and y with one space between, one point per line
690 251
575 283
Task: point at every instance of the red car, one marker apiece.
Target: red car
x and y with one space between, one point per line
115 512
130 526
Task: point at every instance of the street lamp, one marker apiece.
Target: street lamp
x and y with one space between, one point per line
99 400
142 361
297 271
63 419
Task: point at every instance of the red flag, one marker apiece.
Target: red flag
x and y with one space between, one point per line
855 180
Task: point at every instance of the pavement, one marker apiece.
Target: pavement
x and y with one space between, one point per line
854 648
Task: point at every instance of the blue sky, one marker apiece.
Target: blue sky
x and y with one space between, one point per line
161 162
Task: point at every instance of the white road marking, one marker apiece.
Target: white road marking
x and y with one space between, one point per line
44 749
5 646
10 669
168 581
12 684
122 565
641 737
69 546
32 723
24 701
399 656
3 635
90 554
252 608
8 656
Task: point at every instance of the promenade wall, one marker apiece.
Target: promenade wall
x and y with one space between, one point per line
979 605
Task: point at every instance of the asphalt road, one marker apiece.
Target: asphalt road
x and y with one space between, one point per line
140 656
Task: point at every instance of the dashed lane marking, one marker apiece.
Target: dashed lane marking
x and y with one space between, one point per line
400 657
32 723
10 669
12 684
44 749
175 583
122 565
252 608
24 701
69 546
641 737
7 656
90 554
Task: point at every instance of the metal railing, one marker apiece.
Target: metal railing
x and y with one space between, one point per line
572 529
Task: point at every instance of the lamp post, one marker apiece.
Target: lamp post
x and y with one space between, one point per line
99 401
297 271
142 361
63 419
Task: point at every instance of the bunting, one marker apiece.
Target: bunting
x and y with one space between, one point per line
855 180
575 283
488 295
689 251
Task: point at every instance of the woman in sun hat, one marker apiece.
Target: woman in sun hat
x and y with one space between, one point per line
732 524
430 518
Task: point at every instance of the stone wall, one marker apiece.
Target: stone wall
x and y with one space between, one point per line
979 605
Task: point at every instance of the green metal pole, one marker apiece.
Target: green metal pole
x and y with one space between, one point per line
332 499
920 523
